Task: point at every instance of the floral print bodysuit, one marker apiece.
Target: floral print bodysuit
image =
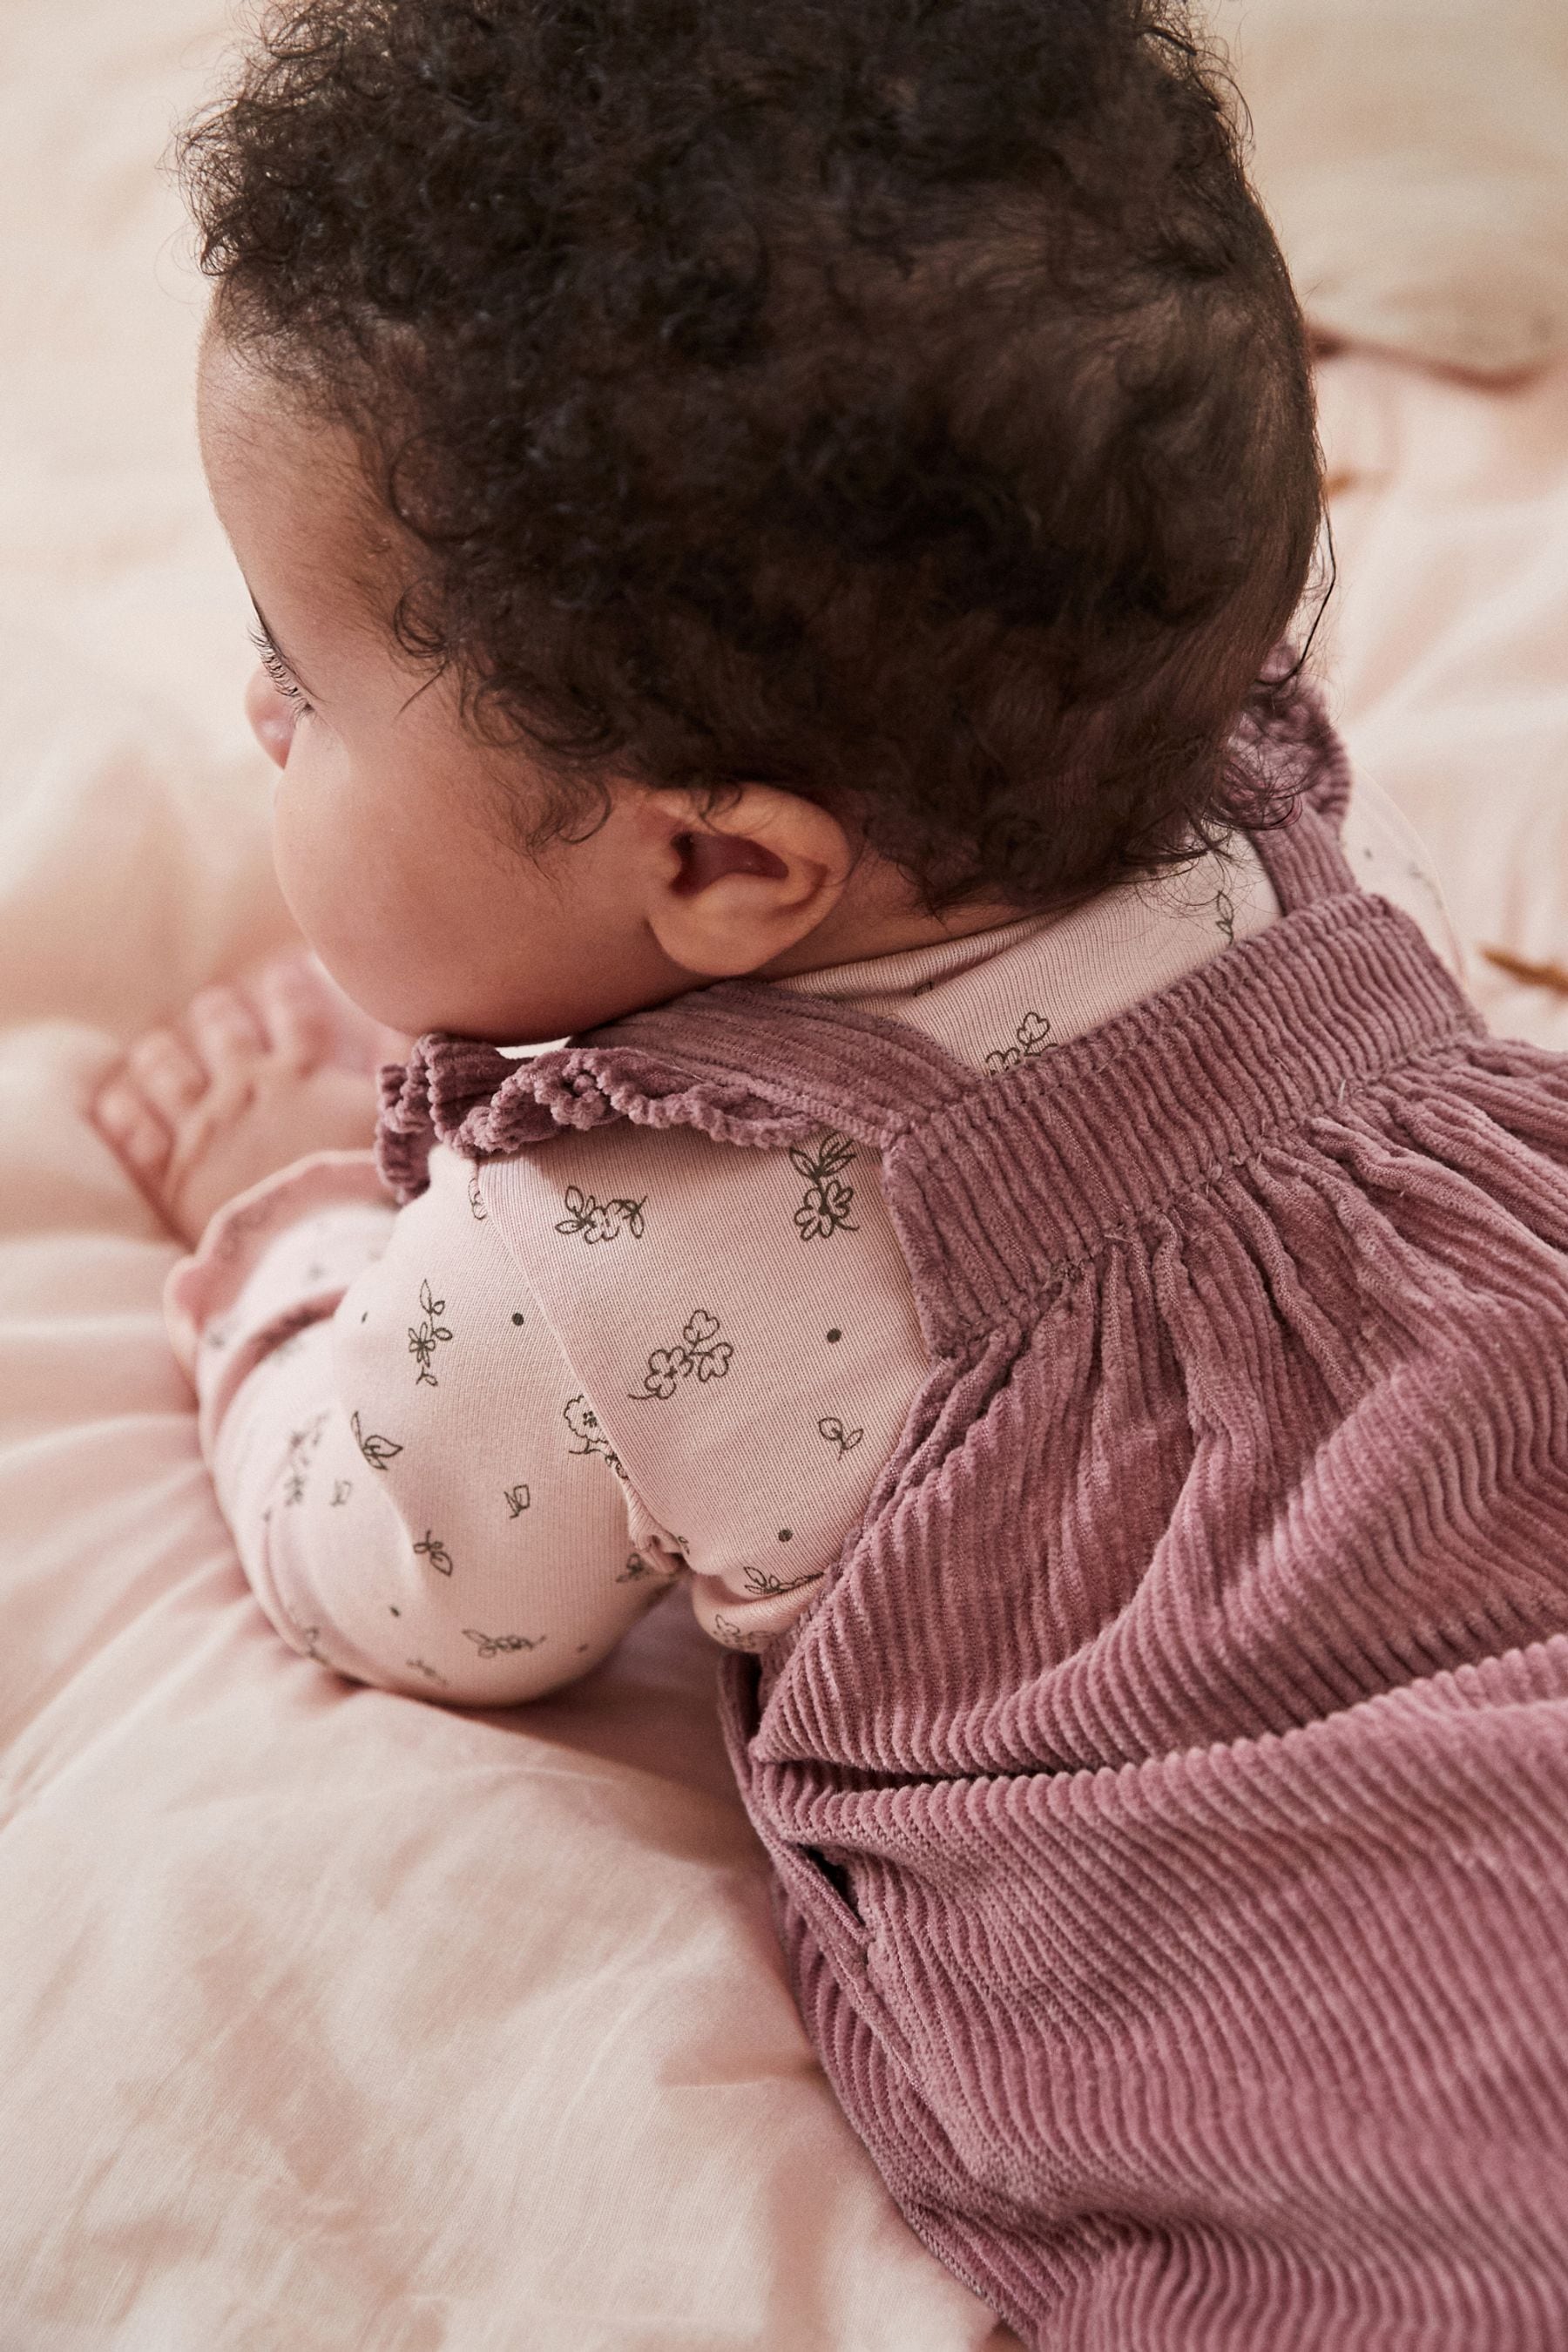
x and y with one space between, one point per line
464 1444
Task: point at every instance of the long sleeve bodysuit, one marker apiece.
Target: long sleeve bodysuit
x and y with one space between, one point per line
464 1444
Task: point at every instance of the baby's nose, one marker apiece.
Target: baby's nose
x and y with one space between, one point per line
271 717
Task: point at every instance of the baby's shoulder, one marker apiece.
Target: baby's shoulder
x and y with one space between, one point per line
629 1194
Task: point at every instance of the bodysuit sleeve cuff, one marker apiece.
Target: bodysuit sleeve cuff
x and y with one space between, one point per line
275 1259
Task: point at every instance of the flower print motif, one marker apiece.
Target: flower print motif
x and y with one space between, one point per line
422 1666
433 1549
517 1499
733 1636
1033 1035
637 1570
497 1645
833 1430
588 1433
477 1208
309 1640
830 1198
710 1356
767 1586
666 1366
825 1210
426 1336
600 1221
701 1352
377 1451
1224 916
584 1422
302 1445
341 1489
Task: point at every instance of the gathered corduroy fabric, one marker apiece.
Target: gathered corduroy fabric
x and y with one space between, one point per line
1167 1794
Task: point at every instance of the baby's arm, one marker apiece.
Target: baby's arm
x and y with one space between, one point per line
385 1414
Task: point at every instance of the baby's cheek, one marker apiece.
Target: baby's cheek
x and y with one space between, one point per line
350 884
301 857
322 868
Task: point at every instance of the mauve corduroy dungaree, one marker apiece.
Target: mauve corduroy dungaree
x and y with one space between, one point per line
1168 1793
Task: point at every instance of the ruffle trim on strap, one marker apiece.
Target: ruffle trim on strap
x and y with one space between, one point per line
456 1091
1289 732
1291 740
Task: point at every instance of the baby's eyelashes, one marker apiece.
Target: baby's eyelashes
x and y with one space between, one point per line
284 681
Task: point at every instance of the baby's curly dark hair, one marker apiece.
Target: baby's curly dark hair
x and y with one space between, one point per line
903 402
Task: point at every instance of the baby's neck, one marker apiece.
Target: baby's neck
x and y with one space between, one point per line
875 917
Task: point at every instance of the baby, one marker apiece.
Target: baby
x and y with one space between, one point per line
768 526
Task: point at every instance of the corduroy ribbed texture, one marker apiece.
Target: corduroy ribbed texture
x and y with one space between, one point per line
1168 1794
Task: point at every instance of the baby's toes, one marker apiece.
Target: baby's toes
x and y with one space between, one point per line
167 1074
126 1119
224 1031
296 1009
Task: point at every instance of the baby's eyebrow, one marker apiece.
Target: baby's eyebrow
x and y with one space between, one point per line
270 634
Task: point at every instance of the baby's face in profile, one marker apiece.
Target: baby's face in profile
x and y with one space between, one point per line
398 836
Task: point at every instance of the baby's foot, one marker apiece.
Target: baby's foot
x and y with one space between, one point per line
238 1090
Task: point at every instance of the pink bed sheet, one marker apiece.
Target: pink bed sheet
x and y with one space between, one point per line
329 2018
1445 643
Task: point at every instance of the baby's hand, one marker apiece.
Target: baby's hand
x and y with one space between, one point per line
240 1089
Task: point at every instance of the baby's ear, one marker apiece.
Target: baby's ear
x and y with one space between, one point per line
727 892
